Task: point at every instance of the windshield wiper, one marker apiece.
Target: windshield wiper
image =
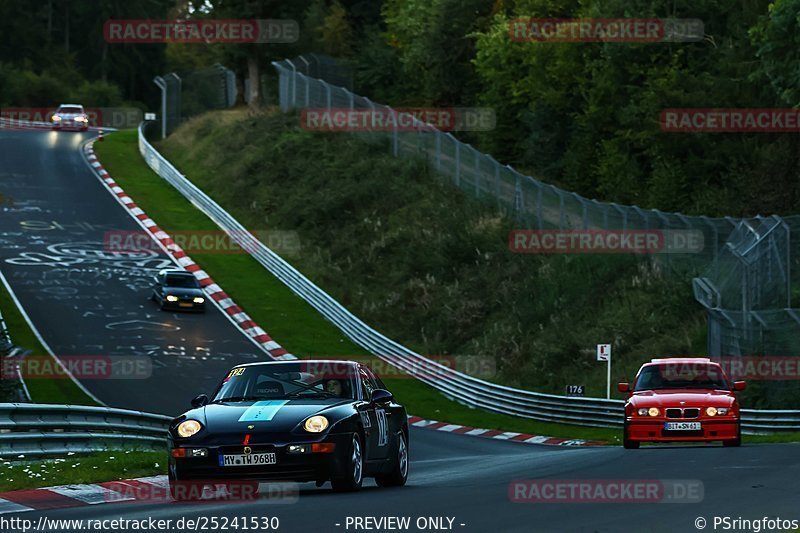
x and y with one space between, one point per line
239 399
298 393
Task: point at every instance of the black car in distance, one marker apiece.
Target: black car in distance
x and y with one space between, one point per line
179 290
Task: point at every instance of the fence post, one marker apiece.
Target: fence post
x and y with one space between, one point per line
539 217
161 84
497 183
477 174
438 150
328 90
294 83
458 162
395 139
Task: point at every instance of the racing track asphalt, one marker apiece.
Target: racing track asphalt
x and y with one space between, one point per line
467 478
87 300
59 215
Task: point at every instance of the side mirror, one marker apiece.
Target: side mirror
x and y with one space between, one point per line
739 385
200 401
623 387
382 396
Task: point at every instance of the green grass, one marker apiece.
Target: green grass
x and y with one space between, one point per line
77 469
57 391
292 322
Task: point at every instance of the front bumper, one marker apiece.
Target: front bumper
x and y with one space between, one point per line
298 467
70 125
183 305
652 430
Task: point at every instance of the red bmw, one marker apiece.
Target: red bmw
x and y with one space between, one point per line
682 400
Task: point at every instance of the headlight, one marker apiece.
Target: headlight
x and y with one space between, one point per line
81 119
189 428
714 411
722 410
56 118
653 411
171 298
198 299
316 424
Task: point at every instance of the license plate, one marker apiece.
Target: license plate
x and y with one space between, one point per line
254 459
184 304
682 426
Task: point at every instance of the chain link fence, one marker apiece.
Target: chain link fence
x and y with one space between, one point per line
194 93
745 267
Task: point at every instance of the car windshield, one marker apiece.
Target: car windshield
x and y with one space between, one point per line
286 381
681 376
70 110
182 282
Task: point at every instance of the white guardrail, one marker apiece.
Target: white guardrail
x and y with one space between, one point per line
458 386
38 430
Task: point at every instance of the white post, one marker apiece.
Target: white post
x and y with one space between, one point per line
604 354
159 81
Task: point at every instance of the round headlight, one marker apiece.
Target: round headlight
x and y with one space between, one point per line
189 428
653 411
316 424
711 411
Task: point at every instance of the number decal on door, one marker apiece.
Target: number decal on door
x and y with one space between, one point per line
383 427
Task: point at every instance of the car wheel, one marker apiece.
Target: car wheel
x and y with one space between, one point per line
626 442
737 441
352 476
399 474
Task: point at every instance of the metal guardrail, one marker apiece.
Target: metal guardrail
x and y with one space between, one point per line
458 386
37 430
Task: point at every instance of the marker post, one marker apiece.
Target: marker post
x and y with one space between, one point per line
604 354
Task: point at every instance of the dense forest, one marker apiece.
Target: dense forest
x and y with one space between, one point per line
582 115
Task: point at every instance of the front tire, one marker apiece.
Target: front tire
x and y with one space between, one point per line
399 474
627 443
736 442
181 490
352 476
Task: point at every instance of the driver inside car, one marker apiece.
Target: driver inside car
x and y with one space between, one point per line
334 386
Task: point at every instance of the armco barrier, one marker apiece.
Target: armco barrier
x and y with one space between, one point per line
455 385
36 430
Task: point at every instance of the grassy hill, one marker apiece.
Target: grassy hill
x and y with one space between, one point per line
430 267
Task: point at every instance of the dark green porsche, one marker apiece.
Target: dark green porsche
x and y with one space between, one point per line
301 421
